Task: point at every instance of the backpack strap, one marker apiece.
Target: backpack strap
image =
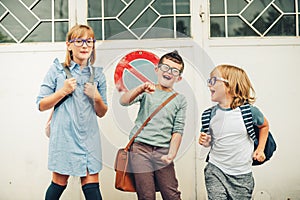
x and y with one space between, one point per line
68 75
205 119
92 77
248 121
67 71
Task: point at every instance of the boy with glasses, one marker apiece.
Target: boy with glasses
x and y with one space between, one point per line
155 148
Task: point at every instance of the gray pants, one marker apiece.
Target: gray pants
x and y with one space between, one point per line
222 186
152 174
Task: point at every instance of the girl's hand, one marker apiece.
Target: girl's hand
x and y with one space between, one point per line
70 85
167 158
259 155
148 87
204 139
90 90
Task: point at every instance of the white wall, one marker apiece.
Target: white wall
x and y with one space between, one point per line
273 69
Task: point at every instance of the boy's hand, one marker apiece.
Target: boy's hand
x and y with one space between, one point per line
259 155
70 85
204 139
167 158
148 87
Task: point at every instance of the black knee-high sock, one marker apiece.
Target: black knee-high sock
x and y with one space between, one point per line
91 191
54 191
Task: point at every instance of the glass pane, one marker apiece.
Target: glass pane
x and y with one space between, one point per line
2 10
97 27
13 26
61 9
21 12
183 26
286 6
133 11
113 7
4 37
266 20
94 9
164 7
163 29
237 28
41 34
61 30
217 7
28 3
217 27
255 8
183 7
235 7
112 30
284 27
146 19
42 10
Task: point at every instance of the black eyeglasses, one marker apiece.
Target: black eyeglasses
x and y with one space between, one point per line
78 42
166 68
212 81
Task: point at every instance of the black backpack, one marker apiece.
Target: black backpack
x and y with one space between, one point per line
252 130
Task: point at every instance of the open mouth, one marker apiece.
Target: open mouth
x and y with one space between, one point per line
212 92
167 77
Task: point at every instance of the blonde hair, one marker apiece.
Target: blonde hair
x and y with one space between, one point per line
239 85
78 31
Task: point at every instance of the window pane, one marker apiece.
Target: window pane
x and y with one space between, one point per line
217 27
61 30
21 12
237 28
113 8
145 20
217 7
234 6
133 11
4 37
255 8
32 20
258 18
163 29
164 7
285 27
183 26
182 6
113 28
13 26
42 9
266 20
286 6
42 33
134 18
28 3
97 27
61 9
94 9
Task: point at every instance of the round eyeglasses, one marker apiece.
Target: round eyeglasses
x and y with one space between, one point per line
78 42
212 81
166 68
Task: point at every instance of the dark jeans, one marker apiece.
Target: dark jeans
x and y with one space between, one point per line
151 173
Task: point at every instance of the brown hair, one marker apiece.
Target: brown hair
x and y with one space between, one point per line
239 85
78 31
175 57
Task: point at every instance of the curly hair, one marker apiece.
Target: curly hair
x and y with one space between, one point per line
239 85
